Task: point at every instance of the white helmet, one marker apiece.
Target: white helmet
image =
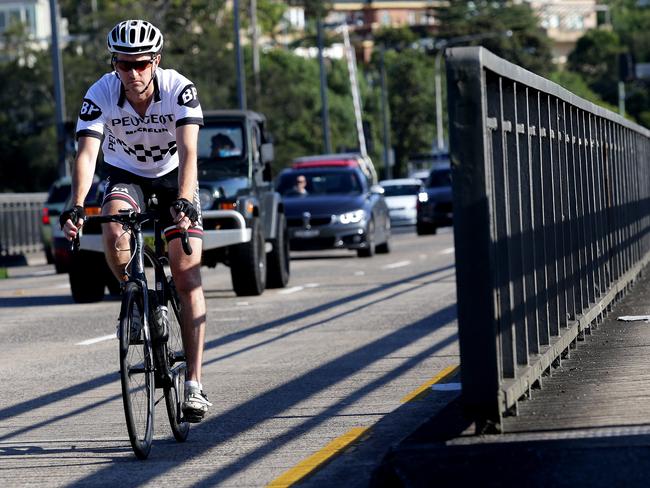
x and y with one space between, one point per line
134 37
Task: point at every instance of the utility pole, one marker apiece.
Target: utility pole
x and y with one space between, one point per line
388 170
59 94
325 118
241 81
256 49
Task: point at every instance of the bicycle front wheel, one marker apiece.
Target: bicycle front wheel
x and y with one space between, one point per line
136 371
175 393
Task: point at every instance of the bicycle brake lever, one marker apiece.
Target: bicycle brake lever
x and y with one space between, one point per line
187 248
75 244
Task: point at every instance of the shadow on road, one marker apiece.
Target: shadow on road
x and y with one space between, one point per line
246 416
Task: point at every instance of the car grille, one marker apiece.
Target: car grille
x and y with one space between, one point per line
314 221
315 243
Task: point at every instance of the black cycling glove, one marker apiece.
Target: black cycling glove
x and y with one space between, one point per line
185 206
74 214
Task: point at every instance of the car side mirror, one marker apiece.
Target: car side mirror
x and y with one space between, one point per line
266 150
377 189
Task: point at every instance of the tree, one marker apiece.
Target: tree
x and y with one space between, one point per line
27 129
595 59
409 75
527 45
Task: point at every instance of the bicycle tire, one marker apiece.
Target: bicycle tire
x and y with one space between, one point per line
175 354
136 372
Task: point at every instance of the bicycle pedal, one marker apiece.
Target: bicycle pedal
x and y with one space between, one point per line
192 419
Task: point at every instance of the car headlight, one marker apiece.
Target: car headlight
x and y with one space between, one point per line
423 197
352 217
206 198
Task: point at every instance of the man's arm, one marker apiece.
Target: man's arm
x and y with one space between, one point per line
187 142
84 168
82 178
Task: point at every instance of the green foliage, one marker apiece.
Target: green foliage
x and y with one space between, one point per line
577 85
411 100
527 45
595 59
291 100
27 134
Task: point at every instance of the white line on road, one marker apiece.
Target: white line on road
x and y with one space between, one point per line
295 289
398 264
359 273
449 250
96 340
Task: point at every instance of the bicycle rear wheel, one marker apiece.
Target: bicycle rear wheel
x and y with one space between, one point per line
175 393
136 371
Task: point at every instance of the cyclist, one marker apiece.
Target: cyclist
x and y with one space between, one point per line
146 120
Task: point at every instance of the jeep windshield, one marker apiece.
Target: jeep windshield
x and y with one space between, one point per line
221 151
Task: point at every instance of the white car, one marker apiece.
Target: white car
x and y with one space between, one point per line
401 197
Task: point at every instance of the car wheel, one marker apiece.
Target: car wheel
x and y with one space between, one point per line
384 248
86 284
248 264
369 250
277 271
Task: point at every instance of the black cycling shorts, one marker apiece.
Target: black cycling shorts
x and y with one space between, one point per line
137 190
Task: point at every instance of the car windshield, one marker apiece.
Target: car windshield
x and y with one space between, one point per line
59 193
221 151
400 190
439 177
320 183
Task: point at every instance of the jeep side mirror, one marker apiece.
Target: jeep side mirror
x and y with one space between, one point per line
266 150
267 174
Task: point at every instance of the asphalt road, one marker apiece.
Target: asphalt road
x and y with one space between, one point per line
291 373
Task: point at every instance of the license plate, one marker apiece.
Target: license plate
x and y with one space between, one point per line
306 233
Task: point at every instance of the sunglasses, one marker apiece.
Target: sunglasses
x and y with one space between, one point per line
139 66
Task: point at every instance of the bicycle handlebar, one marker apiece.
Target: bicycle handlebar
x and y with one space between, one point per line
129 218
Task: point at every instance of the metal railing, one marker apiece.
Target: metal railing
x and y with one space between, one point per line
20 217
551 218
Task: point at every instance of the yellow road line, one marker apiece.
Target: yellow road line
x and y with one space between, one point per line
448 371
313 462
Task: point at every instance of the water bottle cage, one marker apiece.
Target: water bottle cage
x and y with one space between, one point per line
160 324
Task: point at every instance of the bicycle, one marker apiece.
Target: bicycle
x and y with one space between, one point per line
149 332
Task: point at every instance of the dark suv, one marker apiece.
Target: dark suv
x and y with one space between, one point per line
434 205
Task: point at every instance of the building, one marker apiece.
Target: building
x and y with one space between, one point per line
34 14
372 15
565 21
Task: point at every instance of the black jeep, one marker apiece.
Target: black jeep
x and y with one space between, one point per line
238 201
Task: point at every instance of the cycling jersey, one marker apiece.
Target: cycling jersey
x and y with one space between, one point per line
145 146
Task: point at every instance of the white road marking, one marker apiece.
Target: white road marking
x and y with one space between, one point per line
398 264
293 289
449 250
96 340
359 273
242 304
